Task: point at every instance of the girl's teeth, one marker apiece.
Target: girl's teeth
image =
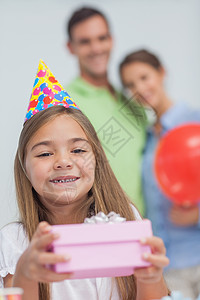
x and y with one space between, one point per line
65 180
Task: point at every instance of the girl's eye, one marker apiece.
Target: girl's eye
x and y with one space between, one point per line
78 151
44 154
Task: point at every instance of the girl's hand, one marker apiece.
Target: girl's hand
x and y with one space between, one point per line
157 258
32 264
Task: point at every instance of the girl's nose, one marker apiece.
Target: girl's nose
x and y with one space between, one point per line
63 162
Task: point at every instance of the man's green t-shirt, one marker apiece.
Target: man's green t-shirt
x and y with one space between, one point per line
120 128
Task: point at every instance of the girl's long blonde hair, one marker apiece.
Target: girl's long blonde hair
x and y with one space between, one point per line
106 194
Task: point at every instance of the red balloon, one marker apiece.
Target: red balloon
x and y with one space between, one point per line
177 164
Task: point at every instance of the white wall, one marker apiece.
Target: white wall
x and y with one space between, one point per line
34 29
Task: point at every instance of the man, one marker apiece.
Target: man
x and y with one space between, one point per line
118 123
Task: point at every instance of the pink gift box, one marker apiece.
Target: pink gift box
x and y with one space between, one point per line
101 250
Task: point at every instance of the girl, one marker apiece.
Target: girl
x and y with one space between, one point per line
143 74
62 176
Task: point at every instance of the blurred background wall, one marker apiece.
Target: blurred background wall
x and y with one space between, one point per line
34 29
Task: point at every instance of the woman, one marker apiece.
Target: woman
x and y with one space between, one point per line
143 74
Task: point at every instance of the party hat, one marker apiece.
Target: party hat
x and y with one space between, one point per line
47 92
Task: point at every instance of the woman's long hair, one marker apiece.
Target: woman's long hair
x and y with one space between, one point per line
106 194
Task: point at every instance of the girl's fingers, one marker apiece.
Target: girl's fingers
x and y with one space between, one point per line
42 228
55 277
43 236
155 243
46 258
46 275
45 240
149 279
149 272
157 260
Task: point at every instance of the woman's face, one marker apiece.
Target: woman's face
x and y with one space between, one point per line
60 163
143 79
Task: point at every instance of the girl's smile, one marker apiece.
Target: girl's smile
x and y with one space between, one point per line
60 163
64 179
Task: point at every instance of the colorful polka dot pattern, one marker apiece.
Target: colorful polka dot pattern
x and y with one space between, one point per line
47 92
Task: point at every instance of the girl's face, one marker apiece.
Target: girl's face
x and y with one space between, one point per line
60 163
141 78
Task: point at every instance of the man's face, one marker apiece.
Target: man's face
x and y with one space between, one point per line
91 43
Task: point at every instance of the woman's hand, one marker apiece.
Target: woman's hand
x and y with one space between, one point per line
32 264
184 215
157 258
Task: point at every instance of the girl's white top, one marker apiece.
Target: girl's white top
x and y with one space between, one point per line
13 242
